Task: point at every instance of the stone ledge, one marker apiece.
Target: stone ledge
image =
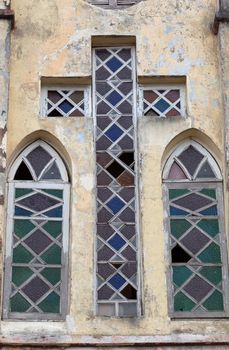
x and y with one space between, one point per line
22 340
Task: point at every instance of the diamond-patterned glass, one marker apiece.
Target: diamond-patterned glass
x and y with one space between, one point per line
116 178
65 103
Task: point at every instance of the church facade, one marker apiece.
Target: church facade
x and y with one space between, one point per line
114 138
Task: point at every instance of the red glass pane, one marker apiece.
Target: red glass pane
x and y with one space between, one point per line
176 173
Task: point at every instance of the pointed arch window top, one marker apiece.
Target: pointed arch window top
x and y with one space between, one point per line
38 162
191 162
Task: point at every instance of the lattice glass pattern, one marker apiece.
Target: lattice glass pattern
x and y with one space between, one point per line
65 103
163 102
37 249
195 237
113 4
117 280
38 210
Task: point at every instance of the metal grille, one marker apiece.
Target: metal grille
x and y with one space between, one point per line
114 4
117 237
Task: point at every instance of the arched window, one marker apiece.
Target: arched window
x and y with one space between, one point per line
197 275
37 236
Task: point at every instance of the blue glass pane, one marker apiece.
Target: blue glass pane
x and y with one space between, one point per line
57 212
65 106
117 281
116 242
210 211
161 105
114 64
114 132
114 98
22 212
176 211
115 204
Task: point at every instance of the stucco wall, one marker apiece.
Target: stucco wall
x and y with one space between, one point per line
173 37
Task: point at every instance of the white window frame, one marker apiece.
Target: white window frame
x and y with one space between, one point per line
53 184
72 88
154 87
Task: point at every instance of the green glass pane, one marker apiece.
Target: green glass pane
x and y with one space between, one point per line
54 228
214 302
22 227
56 193
52 275
183 303
210 226
22 192
18 303
211 254
51 304
178 227
213 274
21 255
181 274
209 192
20 275
177 193
52 255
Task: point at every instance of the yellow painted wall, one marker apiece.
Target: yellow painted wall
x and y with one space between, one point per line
52 38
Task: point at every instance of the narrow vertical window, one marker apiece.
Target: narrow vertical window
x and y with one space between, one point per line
117 230
37 236
198 281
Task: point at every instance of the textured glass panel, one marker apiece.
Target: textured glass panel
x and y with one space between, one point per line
206 171
174 193
106 309
193 202
54 228
209 192
39 158
197 288
35 289
38 241
213 274
178 227
21 255
52 173
127 309
77 96
54 96
211 254
56 193
210 226
38 202
194 241
52 275
19 192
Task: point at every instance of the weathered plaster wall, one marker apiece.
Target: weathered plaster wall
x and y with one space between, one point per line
173 37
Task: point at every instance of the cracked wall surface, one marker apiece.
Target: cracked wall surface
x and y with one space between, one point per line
173 38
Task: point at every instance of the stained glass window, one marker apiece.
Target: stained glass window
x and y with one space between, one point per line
163 102
65 101
36 266
117 291
198 267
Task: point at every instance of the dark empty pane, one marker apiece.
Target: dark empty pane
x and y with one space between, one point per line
129 292
38 158
191 159
179 255
23 173
127 158
176 173
115 169
55 113
52 173
205 171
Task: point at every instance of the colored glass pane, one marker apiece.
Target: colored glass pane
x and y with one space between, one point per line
52 173
18 303
21 255
43 156
56 193
181 274
178 227
214 302
174 193
176 173
22 227
19 192
210 211
213 274
54 228
210 226
209 192
211 254
20 275
191 158
52 255
52 275
183 303
51 304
